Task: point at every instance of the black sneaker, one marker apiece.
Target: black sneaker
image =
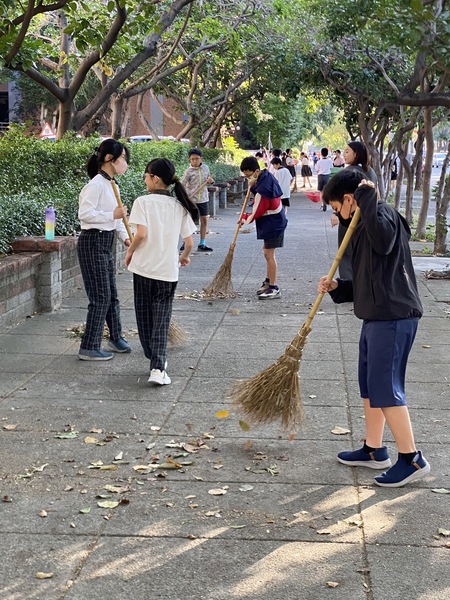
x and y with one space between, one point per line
204 248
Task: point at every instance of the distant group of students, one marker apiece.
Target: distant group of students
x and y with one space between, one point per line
382 283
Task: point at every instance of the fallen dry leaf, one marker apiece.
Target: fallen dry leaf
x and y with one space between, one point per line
244 426
245 487
441 491
332 584
41 575
108 504
69 435
42 513
222 414
115 489
444 532
91 440
217 492
6 499
340 430
9 427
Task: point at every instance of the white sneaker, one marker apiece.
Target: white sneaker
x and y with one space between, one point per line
159 377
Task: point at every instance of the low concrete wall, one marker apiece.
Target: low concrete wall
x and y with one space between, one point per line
39 273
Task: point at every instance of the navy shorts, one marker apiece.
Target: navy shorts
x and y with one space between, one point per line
384 347
322 181
203 209
285 202
275 242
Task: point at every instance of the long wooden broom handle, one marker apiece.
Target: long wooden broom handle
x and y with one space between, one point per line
244 206
120 204
199 189
340 253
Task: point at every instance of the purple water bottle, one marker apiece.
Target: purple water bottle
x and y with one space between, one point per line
50 223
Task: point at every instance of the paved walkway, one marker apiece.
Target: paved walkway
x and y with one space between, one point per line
290 523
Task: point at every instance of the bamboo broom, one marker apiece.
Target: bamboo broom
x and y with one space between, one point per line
221 286
177 334
274 393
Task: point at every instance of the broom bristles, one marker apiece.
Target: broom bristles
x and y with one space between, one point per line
274 394
222 286
177 335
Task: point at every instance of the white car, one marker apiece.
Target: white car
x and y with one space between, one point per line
140 138
438 159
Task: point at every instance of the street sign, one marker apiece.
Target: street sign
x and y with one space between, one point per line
47 131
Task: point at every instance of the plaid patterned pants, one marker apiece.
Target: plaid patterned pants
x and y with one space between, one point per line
98 271
153 301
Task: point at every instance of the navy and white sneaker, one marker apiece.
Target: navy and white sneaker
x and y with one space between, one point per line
264 287
378 459
119 345
84 354
402 473
270 293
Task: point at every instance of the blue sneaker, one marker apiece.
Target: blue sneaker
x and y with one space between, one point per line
84 354
402 473
120 345
379 459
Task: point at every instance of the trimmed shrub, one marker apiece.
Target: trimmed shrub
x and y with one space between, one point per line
38 173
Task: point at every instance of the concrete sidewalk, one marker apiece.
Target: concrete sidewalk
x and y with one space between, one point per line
249 515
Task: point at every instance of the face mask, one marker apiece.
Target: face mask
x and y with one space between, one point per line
120 166
344 222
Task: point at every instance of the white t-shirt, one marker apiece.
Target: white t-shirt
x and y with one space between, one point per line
166 220
324 166
284 178
96 207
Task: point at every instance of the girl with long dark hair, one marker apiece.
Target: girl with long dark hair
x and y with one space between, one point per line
159 219
355 155
100 220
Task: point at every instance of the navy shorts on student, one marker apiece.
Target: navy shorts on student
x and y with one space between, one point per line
277 242
203 209
322 181
384 347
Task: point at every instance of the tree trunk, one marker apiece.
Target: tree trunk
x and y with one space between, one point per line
398 186
409 175
428 131
65 117
116 116
442 204
419 170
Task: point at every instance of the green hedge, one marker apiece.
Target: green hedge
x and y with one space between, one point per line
37 173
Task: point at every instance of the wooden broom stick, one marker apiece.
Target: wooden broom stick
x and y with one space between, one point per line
221 285
274 393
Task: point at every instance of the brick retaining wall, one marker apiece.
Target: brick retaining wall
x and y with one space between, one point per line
39 273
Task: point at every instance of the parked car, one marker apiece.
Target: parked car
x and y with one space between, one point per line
140 138
438 159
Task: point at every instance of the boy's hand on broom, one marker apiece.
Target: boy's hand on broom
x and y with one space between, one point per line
326 285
